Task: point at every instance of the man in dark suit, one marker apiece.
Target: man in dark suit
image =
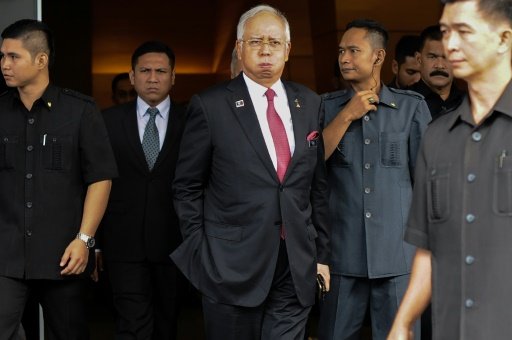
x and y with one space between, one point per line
140 227
251 193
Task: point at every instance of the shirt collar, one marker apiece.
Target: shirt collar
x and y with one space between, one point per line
260 90
47 100
164 107
463 112
387 97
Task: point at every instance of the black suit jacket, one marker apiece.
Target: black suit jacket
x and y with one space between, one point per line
140 222
231 204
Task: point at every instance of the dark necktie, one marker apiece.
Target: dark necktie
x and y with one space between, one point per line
280 139
150 140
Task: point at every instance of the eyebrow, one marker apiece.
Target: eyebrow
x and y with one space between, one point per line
456 25
349 47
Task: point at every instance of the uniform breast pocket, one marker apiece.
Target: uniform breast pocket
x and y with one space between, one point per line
503 186
438 193
57 152
393 149
342 155
7 152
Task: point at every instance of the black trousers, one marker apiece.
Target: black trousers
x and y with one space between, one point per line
63 303
343 310
146 299
280 317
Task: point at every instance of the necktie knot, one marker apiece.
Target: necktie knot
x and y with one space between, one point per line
152 112
270 94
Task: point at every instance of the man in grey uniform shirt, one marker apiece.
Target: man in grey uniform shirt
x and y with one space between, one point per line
372 137
461 215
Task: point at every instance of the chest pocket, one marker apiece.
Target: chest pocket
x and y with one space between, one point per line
7 152
343 154
393 149
438 193
57 152
503 186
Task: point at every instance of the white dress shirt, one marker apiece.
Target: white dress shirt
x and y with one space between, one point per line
260 103
161 119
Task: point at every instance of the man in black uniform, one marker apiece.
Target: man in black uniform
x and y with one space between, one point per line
436 84
55 169
461 215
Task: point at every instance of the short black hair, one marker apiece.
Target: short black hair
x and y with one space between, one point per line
430 33
35 35
378 34
153 47
117 79
493 9
407 46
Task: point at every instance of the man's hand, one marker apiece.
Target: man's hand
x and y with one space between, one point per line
98 255
359 105
75 258
400 333
323 270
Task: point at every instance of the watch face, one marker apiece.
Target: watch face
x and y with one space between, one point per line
91 242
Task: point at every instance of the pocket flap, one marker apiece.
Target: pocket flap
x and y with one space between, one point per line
223 231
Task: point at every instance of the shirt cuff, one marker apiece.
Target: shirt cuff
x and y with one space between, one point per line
416 238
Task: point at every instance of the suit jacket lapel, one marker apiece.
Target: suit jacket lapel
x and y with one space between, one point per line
300 125
132 132
241 104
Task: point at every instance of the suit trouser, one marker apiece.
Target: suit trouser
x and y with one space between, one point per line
63 303
343 310
145 298
280 317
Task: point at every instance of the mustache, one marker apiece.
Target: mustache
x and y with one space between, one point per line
439 73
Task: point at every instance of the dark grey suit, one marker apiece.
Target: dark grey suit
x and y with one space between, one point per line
231 203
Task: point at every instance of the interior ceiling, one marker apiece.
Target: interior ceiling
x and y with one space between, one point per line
200 32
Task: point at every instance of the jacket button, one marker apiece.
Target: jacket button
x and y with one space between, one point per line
477 136
470 218
470 259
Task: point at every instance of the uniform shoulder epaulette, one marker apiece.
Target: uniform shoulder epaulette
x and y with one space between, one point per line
335 94
406 92
78 95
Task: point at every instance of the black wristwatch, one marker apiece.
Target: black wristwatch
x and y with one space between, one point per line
88 240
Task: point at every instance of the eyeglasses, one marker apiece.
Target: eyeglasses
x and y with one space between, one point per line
273 44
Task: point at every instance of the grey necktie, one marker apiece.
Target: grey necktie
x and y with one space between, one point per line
150 140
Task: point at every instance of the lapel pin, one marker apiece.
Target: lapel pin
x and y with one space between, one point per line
49 104
296 101
239 103
393 104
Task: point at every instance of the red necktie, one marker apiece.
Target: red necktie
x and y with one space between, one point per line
280 139
278 136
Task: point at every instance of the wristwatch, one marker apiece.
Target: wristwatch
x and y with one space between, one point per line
88 240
